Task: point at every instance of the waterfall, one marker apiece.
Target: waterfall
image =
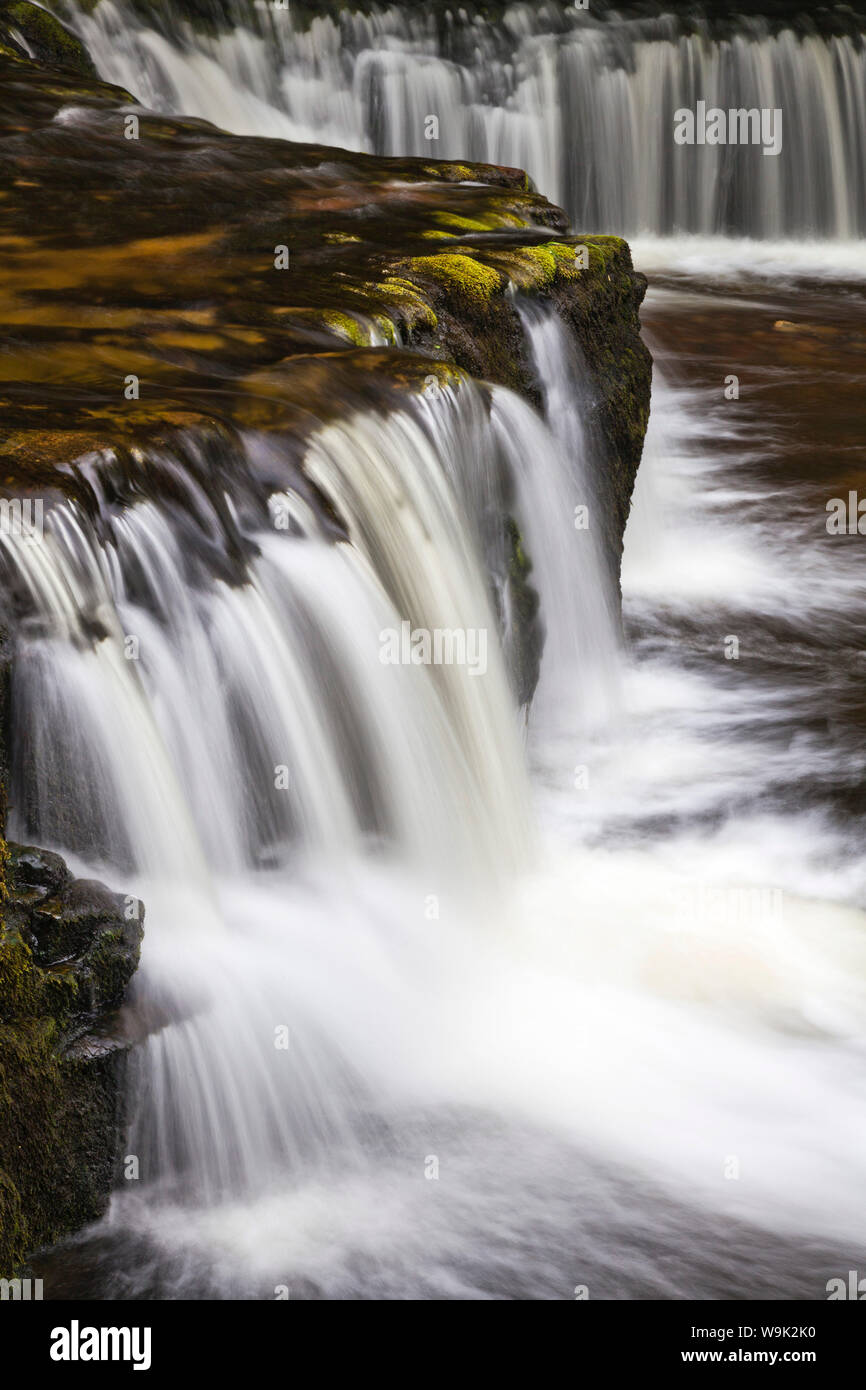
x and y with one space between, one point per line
204 708
378 952
351 967
232 661
562 516
585 102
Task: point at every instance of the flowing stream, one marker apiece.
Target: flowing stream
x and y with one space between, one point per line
441 1001
585 102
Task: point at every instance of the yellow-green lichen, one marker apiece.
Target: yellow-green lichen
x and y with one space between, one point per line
462 173
493 222
346 326
459 274
539 267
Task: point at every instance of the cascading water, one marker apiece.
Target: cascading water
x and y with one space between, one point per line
572 999
584 101
446 997
195 718
564 524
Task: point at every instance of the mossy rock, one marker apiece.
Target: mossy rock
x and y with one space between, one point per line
182 291
68 949
28 31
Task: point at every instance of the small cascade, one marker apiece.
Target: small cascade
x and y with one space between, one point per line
562 515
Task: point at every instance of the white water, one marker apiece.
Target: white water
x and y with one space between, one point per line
596 1012
584 101
583 1000
405 785
581 678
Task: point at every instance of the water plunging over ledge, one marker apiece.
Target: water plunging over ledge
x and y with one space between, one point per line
480 1037
602 1023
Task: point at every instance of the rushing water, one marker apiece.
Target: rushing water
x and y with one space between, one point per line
576 1005
585 102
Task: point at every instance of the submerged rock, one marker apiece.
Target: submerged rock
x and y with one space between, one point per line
68 949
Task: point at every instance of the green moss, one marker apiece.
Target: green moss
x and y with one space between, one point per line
415 311
4 854
387 329
444 374
20 981
492 222
347 327
29 1106
45 36
67 952
29 991
14 1234
460 273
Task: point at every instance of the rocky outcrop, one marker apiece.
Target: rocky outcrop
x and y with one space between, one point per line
212 266
239 282
68 949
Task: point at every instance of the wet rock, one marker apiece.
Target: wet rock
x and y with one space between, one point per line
160 257
27 30
68 949
37 869
283 285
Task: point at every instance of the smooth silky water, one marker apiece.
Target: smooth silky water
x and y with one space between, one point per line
571 998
